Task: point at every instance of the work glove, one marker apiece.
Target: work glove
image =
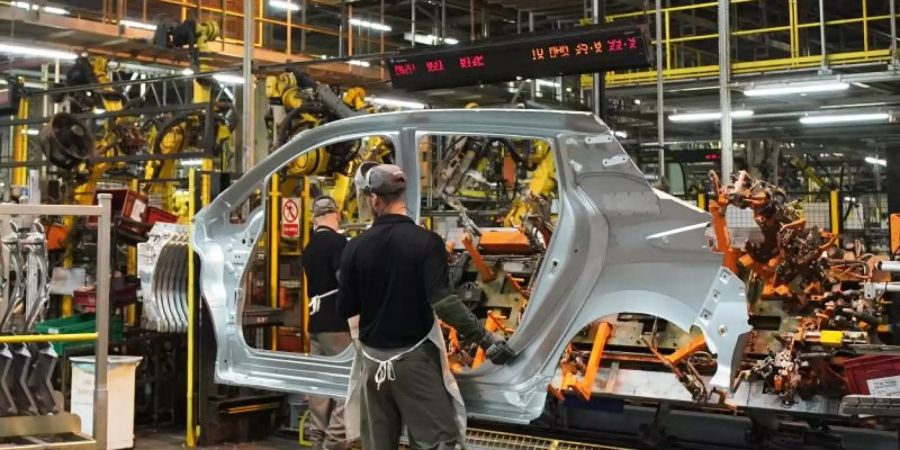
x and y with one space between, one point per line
452 311
496 349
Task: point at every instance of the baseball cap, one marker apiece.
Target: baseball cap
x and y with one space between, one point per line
324 205
380 179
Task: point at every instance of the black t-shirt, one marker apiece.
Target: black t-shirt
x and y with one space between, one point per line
321 262
390 275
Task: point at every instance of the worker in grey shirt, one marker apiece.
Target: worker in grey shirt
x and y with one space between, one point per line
329 333
395 277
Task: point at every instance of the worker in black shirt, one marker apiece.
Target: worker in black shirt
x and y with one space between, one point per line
395 277
329 332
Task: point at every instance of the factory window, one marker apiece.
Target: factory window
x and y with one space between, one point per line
494 199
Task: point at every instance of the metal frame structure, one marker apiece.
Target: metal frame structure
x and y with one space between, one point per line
104 213
673 71
614 230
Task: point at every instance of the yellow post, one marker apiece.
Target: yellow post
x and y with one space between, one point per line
792 21
835 207
865 24
20 146
304 339
274 242
131 268
701 201
191 436
68 262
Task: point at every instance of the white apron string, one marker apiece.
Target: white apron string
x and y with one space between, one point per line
385 370
315 303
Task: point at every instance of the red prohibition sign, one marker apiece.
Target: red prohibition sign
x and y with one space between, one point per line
289 211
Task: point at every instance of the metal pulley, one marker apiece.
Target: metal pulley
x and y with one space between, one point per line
66 141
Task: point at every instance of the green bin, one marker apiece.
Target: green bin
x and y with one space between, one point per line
80 323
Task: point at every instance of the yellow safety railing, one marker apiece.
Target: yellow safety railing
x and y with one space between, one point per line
31 338
677 70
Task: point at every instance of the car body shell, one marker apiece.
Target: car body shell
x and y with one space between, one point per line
620 246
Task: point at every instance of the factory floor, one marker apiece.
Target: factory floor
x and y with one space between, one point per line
167 440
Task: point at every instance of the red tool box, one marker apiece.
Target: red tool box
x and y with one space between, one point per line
860 371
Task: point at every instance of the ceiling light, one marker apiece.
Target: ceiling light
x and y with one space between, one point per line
621 134
280 4
709 116
429 39
32 131
356 62
637 101
99 111
36 51
845 118
853 105
395 103
187 71
46 9
796 88
191 162
550 84
226 78
878 161
372 25
135 24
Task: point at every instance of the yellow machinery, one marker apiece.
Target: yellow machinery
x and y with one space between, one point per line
175 134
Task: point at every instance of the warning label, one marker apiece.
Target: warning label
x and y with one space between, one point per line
290 217
884 387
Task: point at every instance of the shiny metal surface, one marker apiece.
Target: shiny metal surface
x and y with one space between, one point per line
620 246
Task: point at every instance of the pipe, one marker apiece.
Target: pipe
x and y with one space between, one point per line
247 135
724 90
886 287
413 22
888 266
101 395
660 110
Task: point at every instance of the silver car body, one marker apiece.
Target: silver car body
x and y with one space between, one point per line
620 246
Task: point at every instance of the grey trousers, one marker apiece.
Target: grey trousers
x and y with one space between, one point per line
417 398
326 415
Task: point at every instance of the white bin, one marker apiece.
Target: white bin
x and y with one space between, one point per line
120 384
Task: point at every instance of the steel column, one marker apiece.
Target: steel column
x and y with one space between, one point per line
303 26
471 20
101 395
893 19
824 51
597 91
660 110
443 21
531 30
249 84
413 22
724 89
